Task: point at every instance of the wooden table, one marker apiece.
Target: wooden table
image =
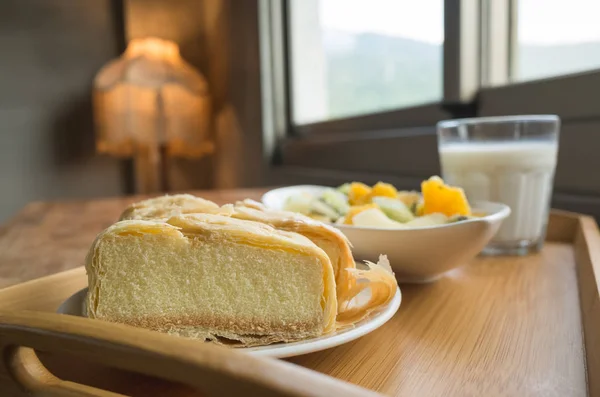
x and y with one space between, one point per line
498 326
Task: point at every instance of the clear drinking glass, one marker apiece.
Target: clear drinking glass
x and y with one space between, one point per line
510 160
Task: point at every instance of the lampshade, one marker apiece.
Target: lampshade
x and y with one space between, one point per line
151 100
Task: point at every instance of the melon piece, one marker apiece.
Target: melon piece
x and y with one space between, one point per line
443 199
322 208
344 189
374 217
299 203
428 220
336 200
357 209
394 209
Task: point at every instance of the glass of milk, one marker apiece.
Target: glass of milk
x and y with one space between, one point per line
510 160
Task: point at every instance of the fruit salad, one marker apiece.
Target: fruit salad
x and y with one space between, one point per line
383 206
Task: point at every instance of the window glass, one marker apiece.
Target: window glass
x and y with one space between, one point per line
352 57
556 37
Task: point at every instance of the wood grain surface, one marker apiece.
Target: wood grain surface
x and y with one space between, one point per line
197 368
587 252
501 326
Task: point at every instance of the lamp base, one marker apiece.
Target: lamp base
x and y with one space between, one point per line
151 170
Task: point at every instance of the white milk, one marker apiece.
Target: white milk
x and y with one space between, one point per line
519 174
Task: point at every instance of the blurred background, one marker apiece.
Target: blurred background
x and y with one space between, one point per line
112 97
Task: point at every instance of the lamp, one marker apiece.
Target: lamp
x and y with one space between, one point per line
150 104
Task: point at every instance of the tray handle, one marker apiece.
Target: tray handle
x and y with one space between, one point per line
212 370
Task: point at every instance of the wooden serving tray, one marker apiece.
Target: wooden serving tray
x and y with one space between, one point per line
499 326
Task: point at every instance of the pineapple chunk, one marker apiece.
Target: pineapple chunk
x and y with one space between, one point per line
357 209
384 190
441 198
359 193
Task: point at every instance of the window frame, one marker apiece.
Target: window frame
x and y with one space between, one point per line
500 95
419 115
479 59
549 96
290 147
481 92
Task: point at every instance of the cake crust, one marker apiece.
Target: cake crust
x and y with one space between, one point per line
349 280
204 229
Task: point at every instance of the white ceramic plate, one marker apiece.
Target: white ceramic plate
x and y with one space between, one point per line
416 254
75 306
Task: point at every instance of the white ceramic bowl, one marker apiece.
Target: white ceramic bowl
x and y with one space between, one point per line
416 254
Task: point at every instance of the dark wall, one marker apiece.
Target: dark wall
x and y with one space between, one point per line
50 51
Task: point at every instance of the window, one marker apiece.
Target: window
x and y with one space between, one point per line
357 65
353 57
556 37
